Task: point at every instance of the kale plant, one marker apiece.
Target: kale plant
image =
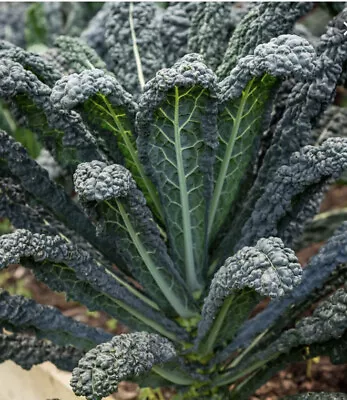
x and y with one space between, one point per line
181 152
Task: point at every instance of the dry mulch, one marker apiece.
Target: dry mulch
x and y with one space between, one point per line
325 378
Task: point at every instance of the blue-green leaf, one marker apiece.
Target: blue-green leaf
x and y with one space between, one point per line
119 208
245 102
109 109
177 136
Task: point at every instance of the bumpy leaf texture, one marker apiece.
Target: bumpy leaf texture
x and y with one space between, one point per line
175 24
45 71
211 27
62 133
19 313
262 23
20 208
110 110
28 351
35 180
102 368
12 18
131 36
15 206
284 196
245 100
306 103
268 269
328 322
64 260
123 215
71 55
177 130
94 33
315 274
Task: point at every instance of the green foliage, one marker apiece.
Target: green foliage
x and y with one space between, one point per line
35 25
177 137
171 195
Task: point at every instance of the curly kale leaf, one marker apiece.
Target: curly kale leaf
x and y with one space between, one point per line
63 133
44 70
110 110
284 196
134 51
175 25
333 123
30 96
14 205
58 255
102 368
35 180
268 269
305 104
133 312
245 101
28 351
12 20
328 322
333 43
314 277
94 33
24 213
121 210
257 27
177 131
266 371
19 313
71 55
211 27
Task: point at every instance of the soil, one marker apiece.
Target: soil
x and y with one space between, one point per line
325 377
319 375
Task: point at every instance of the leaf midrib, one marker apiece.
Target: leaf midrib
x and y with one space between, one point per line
191 277
132 311
226 160
133 153
166 288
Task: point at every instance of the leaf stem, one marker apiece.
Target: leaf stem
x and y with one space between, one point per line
133 290
191 277
206 346
166 288
176 376
134 155
212 230
228 378
135 48
237 360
